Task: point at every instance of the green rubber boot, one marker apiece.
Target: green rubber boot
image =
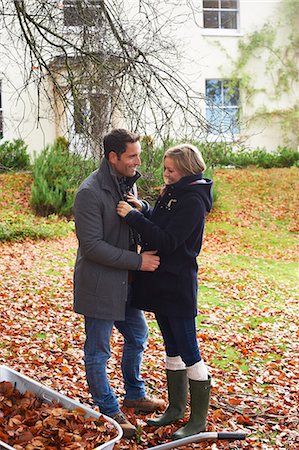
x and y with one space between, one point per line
200 399
177 386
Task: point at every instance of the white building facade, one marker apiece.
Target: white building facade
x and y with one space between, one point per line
243 102
245 44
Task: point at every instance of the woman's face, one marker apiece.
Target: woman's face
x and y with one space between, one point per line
171 174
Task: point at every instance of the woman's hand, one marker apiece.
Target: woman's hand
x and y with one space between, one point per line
123 208
134 201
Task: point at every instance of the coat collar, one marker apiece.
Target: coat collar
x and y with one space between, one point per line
106 176
108 179
184 181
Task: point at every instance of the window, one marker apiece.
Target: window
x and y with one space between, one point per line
1 113
220 14
77 13
91 114
222 106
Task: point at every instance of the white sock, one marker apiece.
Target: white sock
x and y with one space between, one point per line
198 371
174 363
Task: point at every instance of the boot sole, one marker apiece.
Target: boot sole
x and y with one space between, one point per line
162 424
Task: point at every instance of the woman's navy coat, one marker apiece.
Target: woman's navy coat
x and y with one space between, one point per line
175 228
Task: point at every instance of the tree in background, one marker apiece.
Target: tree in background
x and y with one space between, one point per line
98 61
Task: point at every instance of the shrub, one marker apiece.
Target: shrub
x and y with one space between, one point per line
216 153
57 173
223 155
14 156
261 158
151 169
287 157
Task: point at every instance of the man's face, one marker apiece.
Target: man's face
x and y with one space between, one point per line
127 165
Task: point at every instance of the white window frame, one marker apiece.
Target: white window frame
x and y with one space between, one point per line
222 109
222 31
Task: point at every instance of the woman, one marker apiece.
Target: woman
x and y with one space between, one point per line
174 227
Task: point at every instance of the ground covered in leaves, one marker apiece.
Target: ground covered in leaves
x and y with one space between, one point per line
27 422
247 323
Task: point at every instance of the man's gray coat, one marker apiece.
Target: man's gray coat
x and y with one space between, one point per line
103 258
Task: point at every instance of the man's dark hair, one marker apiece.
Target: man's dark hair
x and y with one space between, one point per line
117 139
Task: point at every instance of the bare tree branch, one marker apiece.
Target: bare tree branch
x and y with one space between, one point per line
125 57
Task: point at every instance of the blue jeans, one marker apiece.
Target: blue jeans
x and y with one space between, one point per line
179 335
97 352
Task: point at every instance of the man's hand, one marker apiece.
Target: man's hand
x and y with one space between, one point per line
150 261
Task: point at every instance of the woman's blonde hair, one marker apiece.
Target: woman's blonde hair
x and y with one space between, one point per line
187 158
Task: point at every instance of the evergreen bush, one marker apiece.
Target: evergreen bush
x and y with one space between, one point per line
57 173
287 157
223 155
151 169
216 153
14 156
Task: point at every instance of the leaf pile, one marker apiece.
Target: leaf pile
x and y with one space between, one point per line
28 423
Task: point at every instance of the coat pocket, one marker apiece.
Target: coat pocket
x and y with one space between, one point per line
86 277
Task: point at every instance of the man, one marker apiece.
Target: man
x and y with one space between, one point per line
107 254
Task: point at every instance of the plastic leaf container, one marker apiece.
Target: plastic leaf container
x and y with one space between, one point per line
47 395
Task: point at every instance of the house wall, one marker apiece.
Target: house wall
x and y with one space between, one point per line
20 100
207 55
212 53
